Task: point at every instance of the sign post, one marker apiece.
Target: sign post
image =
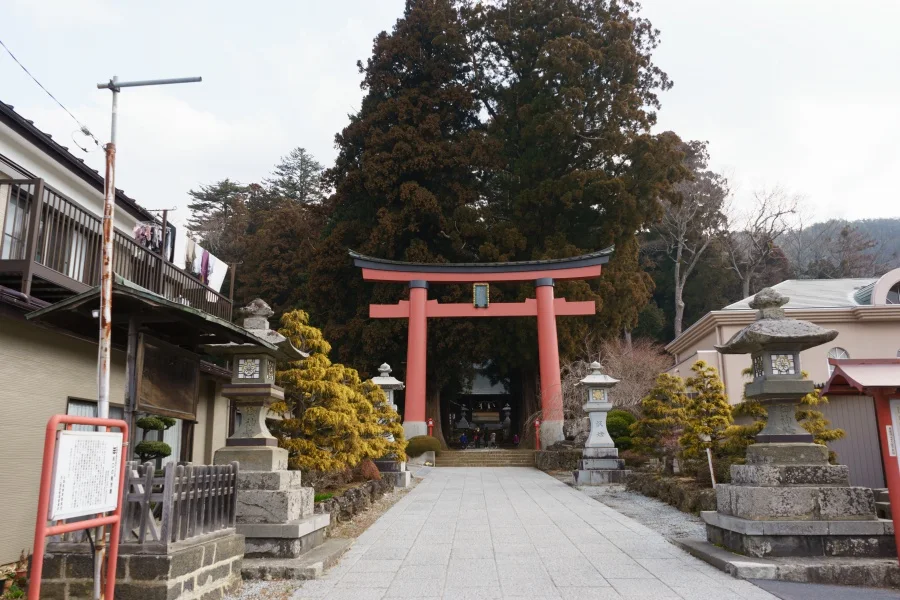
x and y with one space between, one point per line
82 474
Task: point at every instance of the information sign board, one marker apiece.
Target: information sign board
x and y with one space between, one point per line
85 473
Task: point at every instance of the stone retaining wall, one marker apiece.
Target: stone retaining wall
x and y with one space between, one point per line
353 501
684 494
207 569
557 460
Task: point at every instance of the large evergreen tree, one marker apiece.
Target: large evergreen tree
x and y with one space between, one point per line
515 130
406 183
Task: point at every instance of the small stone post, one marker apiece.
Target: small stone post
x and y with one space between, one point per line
392 470
274 511
600 462
787 500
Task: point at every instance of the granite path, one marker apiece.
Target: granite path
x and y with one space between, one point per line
472 533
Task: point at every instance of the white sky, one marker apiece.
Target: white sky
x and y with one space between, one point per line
801 93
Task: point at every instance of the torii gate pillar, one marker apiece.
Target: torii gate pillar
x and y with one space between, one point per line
548 351
416 352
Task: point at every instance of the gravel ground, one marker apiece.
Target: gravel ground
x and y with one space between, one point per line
659 516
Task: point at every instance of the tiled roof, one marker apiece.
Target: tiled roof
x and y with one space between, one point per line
820 293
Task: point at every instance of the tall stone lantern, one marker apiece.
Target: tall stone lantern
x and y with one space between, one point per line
600 461
391 469
787 500
274 511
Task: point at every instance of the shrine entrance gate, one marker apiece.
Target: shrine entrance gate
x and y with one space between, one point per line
418 309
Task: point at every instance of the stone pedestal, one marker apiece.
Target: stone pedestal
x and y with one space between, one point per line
395 472
788 501
600 462
274 511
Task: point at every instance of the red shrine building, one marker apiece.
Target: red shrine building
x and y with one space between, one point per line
544 306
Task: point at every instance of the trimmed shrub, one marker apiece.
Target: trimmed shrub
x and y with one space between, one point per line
366 471
420 444
322 497
618 423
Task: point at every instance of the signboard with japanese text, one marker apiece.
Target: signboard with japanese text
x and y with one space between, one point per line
86 471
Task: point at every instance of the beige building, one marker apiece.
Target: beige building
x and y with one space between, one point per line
50 209
866 314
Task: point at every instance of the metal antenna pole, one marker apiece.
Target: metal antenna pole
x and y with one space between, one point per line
106 277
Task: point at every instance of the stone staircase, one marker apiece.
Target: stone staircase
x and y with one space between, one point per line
882 504
485 458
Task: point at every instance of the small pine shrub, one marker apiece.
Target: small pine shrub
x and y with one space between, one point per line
367 471
618 423
420 444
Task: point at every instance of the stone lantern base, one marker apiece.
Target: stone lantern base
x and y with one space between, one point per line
789 501
599 466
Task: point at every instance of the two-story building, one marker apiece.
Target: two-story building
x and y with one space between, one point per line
51 204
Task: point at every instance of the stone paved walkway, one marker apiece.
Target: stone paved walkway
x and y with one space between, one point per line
467 533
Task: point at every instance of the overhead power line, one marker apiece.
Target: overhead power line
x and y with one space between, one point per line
81 125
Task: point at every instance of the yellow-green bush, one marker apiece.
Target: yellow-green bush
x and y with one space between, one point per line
332 419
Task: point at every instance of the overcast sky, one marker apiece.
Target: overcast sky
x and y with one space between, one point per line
801 94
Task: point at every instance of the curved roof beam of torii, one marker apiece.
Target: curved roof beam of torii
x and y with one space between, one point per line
586 266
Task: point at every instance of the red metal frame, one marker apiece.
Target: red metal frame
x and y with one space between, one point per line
42 530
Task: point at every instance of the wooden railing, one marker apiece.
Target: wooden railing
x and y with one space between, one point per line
62 236
186 502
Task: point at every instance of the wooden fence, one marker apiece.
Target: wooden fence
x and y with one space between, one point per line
187 501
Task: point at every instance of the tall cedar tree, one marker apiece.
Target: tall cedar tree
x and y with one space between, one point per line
661 420
564 164
571 92
707 413
406 181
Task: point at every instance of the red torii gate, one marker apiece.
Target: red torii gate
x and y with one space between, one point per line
544 306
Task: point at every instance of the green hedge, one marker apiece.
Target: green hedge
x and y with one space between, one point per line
420 444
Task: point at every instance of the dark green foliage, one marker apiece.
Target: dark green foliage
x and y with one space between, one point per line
420 444
298 177
155 423
618 423
149 450
323 497
507 131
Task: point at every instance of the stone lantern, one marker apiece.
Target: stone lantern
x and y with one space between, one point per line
391 469
388 384
600 462
273 510
774 343
787 500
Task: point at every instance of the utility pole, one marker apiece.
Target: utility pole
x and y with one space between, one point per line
106 276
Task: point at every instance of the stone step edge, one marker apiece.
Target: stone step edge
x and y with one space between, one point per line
308 566
879 572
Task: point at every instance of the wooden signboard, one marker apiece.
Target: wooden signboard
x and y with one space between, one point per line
168 381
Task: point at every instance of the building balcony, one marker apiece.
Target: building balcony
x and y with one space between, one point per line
50 249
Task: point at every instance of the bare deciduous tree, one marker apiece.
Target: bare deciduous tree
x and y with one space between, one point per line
687 229
755 230
635 366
